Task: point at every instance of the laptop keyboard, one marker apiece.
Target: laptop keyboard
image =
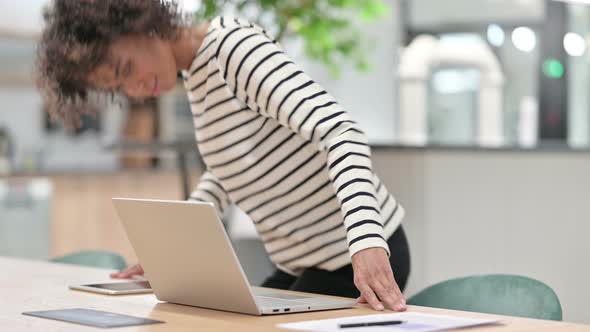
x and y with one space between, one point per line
264 301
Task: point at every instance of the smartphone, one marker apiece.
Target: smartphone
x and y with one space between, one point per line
116 288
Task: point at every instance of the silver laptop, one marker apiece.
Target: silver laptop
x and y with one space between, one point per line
189 259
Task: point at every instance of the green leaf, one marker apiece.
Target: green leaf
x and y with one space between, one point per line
328 37
295 24
380 9
333 70
373 10
363 66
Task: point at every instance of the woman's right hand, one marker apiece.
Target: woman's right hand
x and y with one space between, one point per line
129 272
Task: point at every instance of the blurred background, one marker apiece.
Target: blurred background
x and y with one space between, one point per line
478 112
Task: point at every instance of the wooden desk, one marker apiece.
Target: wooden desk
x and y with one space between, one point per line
31 286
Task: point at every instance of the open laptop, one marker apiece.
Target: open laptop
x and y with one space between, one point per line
189 259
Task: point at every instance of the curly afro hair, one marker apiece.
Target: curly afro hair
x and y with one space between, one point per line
76 40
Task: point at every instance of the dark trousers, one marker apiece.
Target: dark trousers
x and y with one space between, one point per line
341 281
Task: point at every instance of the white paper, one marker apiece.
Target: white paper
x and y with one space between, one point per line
413 322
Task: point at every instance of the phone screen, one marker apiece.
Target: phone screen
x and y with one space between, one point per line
122 286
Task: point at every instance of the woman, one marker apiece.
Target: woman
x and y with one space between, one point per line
275 143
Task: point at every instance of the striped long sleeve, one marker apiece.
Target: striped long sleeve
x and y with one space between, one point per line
265 79
210 190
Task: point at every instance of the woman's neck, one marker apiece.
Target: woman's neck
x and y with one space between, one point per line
188 43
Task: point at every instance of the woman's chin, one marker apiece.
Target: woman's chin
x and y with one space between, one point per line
169 87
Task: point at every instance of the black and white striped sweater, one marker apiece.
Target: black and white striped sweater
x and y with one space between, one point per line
284 151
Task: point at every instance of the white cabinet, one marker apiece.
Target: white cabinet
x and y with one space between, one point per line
25 217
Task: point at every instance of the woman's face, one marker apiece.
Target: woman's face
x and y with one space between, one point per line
138 66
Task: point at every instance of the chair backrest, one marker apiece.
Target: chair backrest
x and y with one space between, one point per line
94 258
495 294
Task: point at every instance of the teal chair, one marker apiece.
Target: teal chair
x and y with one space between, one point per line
494 294
93 258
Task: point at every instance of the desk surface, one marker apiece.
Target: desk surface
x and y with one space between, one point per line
31 285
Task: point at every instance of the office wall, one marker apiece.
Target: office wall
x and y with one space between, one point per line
426 14
578 81
474 212
37 150
19 113
22 18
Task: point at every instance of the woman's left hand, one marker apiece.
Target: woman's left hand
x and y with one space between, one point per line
374 279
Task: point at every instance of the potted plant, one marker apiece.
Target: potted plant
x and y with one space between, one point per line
329 29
